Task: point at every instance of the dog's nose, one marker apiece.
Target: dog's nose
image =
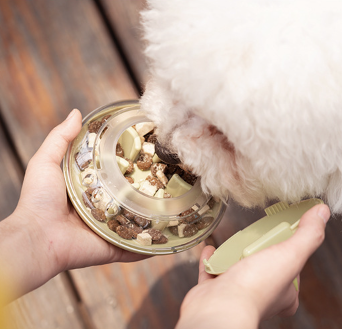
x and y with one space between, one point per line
166 155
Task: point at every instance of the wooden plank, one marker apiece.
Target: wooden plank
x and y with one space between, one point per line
51 306
125 22
145 294
321 280
54 56
11 178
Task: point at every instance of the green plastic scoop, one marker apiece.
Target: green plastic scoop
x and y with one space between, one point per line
280 223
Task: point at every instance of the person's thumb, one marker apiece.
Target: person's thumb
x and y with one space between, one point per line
309 236
56 143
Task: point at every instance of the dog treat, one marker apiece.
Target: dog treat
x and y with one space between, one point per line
129 179
91 140
113 224
89 177
155 234
98 214
141 221
144 239
122 219
129 215
145 162
163 239
126 232
144 128
119 150
83 159
94 127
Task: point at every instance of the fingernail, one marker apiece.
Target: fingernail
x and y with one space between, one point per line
70 114
324 213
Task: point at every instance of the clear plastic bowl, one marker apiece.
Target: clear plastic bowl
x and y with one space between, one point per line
116 194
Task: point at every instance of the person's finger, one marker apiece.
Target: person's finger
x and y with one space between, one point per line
56 143
309 236
206 254
296 250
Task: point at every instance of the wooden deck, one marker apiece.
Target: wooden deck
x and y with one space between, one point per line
57 55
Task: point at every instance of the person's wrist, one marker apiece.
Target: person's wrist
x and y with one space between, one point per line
25 246
220 313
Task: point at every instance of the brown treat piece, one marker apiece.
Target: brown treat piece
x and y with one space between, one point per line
98 214
94 127
189 178
157 167
141 221
204 222
190 230
163 239
144 162
167 195
188 218
155 234
211 203
173 230
87 200
113 224
155 182
122 219
136 229
130 168
130 179
129 215
126 232
119 150
152 138
105 118
83 159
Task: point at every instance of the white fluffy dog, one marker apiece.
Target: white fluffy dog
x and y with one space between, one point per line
249 94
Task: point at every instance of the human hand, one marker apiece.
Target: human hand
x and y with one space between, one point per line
55 238
258 287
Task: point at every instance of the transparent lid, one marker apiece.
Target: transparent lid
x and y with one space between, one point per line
113 208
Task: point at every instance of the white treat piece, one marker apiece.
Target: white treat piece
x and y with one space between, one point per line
100 198
136 185
160 193
177 186
147 188
144 127
203 210
131 143
161 176
181 228
195 207
112 209
148 148
122 163
144 239
89 177
91 139
156 158
173 223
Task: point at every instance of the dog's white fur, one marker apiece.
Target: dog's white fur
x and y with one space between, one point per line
249 94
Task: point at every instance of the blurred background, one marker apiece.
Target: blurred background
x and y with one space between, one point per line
58 55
